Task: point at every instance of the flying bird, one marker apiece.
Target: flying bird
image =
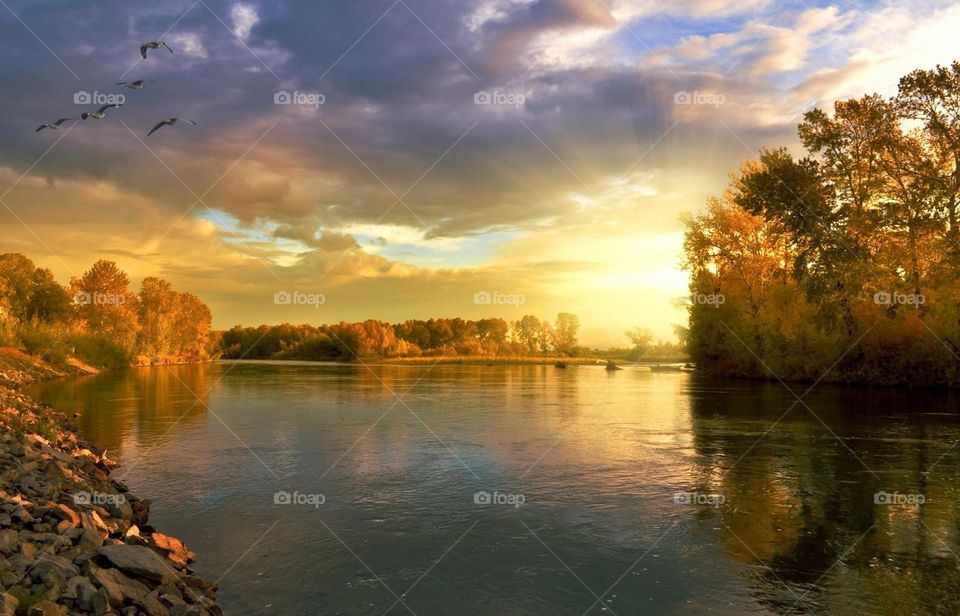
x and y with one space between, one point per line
133 85
169 122
54 125
153 45
98 114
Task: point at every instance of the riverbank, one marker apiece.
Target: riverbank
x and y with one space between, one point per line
73 539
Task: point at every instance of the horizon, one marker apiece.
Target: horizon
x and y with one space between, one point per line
601 304
400 161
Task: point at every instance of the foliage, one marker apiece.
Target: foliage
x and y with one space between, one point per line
100 320
413 338
843 264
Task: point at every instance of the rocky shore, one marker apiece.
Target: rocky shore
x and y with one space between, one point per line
73 540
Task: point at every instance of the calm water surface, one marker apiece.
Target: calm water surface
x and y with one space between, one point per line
598 459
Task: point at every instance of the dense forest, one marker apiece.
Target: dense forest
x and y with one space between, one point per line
98 319
528 337
843 264
455 337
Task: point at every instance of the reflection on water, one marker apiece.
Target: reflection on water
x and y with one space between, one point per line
142 403
804 496
400 451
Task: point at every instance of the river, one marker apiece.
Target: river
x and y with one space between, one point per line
460 489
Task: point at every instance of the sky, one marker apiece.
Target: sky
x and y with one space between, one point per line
395 159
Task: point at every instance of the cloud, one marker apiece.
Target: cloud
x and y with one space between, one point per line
244 18
189 43
399 177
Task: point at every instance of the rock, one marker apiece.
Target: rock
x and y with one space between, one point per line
52 541
67 515
91 520
8 604
140 561
86 592
29 467
22 515
121 509
152 605
8 541
100 603
28 549
117 526
72 590
173 547
118 586
89 541
198 585
61 554
35 439
47 608
49 565
141 511
172 599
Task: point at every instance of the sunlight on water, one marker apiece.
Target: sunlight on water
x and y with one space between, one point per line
343 489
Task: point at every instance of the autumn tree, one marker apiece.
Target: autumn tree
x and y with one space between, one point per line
28 292
16 285
529 333
859 235
158 317
100 320
564 335
641 339
105 304
49 301
173 326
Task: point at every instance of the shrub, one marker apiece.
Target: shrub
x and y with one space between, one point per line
45 341
99 350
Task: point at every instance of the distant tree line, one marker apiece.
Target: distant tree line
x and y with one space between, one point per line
843 264
494 337
98 319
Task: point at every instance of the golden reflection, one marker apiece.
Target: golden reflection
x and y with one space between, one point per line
144 402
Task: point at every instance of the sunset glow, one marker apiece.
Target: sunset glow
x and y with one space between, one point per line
382 183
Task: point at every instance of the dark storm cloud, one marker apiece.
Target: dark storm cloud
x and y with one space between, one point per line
397 97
